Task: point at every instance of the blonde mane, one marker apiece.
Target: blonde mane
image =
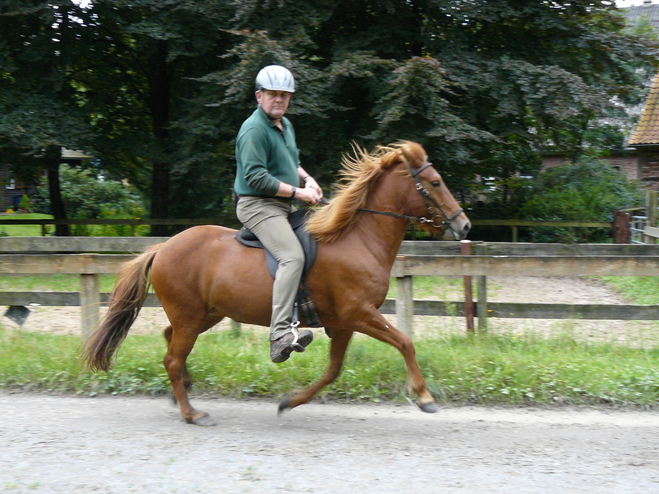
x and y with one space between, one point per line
329 223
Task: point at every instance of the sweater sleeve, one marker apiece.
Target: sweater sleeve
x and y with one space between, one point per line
253 151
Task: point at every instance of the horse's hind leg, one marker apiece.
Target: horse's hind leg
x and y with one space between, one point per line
181 342
338 346
187 380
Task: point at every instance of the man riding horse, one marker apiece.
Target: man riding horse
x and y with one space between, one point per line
267 180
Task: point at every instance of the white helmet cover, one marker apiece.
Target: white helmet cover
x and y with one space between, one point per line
275 78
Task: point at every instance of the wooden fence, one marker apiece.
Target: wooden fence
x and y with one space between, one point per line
229 220
90 257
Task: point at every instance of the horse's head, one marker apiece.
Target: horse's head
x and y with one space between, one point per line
433 205
393 181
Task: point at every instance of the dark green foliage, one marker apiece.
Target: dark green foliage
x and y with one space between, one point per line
157 89
86 196
587 191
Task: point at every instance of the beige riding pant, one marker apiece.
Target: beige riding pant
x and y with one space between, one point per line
267 218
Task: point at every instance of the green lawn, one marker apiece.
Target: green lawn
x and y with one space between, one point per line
48 282
24 230
483 369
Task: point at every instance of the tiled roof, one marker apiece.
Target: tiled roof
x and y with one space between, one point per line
648 9
647 130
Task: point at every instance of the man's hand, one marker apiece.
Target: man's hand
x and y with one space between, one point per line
310 193
310 183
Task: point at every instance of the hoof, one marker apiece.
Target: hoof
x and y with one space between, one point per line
204 421
284 404
430 407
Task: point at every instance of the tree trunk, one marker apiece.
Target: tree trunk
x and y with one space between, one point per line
160 88
53 160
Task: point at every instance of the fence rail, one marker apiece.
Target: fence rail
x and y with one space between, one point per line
229 221
89 257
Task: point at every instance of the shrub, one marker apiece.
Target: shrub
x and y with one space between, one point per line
587 191
87 196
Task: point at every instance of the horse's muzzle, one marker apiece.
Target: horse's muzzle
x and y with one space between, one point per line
457 229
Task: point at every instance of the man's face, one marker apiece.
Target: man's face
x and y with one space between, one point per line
274 103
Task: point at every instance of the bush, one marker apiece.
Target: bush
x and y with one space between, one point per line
87 196
587 191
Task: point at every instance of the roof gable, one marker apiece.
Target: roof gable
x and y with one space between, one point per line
647 130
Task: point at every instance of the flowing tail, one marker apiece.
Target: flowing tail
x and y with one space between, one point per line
130 291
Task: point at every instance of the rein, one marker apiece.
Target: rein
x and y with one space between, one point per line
427 198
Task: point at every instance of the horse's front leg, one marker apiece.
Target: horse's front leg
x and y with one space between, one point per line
339 344
378 327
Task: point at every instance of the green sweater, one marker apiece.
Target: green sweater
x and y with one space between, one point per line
266 156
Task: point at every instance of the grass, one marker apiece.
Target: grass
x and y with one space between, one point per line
484 369
76 230
490 369
432 287
24 230
49 282
640 290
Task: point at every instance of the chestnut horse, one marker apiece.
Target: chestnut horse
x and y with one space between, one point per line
204 274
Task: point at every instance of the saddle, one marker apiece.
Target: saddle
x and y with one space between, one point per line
303 302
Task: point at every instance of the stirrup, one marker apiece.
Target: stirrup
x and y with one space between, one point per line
300 340
296 336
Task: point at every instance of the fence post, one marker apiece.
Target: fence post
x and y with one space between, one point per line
90 303
236 329
465 250
622 227
481 288
651 214
405 305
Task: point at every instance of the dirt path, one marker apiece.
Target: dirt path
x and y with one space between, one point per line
53 444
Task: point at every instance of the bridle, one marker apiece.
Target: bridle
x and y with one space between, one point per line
427 199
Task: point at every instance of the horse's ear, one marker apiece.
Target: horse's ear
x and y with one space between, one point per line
392 156
414 154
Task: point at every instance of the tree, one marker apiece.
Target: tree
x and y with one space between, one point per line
39 109
157 89
152 52
462 78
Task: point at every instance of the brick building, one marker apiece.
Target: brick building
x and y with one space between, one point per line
629 164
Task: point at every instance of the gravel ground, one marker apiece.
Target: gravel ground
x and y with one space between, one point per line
112 444
63 444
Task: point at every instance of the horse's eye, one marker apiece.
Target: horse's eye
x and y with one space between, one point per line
436 183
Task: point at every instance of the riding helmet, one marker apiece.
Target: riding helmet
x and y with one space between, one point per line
275 78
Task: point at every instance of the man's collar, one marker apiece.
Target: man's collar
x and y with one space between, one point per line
271 121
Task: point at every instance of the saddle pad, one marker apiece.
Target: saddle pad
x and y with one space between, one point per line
298 220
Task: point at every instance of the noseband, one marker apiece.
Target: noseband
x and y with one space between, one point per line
445 220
